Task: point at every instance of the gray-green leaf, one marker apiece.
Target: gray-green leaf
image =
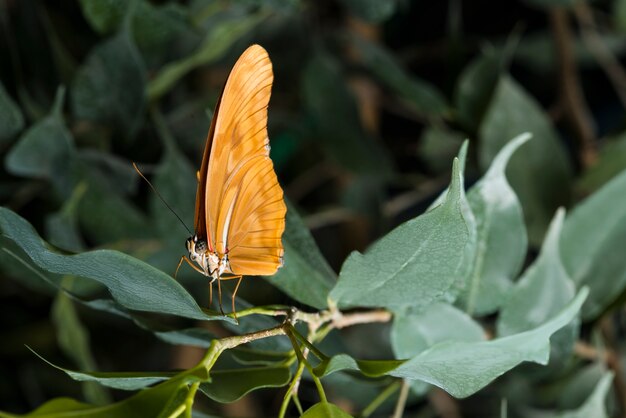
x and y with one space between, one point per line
501 236
539 172
592 245
416 264
11 118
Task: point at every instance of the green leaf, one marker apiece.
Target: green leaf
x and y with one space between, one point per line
109 86
501 236
414 332
62 227
369 368
539 172
619 14
475 88
549 4
439 145
418 263
335 118
611 162
229 385
220 38
73 338
158 401
542 291
46 151
592 245
463 368
104 16
422 96
306 275
11 118
594 406
132 283
373 11
325 410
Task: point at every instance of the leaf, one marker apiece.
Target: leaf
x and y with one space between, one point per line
157 401
437 146
325 410
372 11
612 160
463 368
104 16
73 338
539 172
619 14
592 245
62 227
132 283
45 151
475 88
109 85
335 118
549 4
369 368
422 96
594 406
11 118
542 291
414 332
305 275
230 385
501 236
416 264
220 38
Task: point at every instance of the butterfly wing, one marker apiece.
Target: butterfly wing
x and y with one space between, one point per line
244 205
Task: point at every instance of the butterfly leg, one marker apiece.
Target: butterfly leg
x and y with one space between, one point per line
235 294
219 296
185 258
210 293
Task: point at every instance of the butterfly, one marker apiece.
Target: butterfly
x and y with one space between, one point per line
240 210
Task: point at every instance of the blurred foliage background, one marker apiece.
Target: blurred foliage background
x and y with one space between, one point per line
371 101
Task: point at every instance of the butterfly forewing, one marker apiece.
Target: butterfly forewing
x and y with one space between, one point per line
243 203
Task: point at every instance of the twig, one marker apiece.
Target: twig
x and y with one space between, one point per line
614 363
597 47
572 96
382 397
444 404
402 397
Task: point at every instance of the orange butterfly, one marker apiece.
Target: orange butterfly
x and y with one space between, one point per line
240 211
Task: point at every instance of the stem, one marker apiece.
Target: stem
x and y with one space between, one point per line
382 397
402 397
296 347
190 397
303 340
290 390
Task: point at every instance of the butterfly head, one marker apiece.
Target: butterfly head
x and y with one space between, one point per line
210 262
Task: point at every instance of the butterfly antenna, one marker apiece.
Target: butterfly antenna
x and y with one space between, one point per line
161 197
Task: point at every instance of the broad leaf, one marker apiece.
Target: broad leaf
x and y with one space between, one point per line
592 245
306 275
416 264
159 401
438 146
611 161
423 97
539 172
325 410
11 118
109 86
229 385
218 40
542 291
463 368
132 283
475 87
413 333
501 236
594 406
335 118
45 151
